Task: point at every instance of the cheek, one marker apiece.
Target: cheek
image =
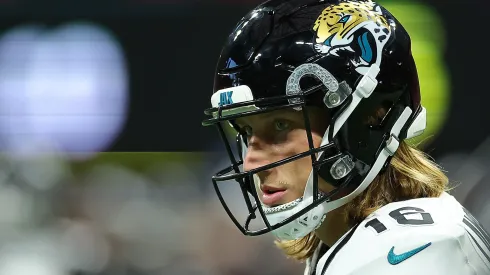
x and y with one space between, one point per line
296 173
302 145
299 145
293 143
322 185
317 140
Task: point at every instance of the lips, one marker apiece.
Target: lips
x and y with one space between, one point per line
271 196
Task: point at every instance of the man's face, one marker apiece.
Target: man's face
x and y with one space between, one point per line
275 136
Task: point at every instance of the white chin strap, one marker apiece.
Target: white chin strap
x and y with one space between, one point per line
310 221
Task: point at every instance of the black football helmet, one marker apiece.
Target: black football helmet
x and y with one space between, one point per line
350 57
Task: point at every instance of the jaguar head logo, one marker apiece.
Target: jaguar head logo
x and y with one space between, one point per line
358 29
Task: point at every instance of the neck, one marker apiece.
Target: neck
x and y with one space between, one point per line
333 228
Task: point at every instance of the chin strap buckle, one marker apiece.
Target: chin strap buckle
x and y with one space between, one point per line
392 144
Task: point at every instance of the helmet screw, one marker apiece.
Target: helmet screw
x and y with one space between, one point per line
340 170
334 99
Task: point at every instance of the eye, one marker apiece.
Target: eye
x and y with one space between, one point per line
281 125
344 19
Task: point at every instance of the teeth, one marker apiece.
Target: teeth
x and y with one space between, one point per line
359 61
349 49
363 62
334 52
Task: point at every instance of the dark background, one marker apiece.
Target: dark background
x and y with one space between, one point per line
171 48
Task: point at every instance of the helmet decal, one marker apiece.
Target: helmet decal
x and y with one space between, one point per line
358 28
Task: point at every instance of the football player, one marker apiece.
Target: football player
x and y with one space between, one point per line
323 95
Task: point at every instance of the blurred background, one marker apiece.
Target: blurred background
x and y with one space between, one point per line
105 168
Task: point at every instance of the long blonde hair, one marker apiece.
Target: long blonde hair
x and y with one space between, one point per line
411 174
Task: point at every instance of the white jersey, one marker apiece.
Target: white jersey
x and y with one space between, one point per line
434 236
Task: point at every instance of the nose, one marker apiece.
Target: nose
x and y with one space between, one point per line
258 154
256 158
253 159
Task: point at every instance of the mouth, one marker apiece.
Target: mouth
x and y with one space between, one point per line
272 196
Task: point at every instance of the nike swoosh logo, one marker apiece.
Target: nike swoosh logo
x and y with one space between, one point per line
395 259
